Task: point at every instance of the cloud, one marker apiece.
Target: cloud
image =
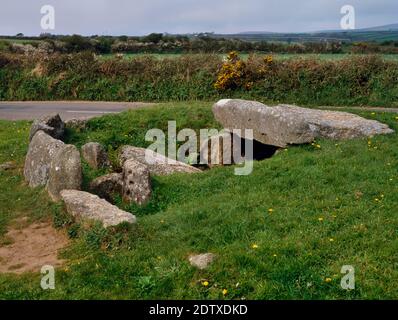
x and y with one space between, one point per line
133 17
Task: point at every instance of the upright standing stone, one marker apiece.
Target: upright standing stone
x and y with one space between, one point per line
136 182
42 150
65 172
95 155
218 150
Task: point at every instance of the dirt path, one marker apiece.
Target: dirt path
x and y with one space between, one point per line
29 247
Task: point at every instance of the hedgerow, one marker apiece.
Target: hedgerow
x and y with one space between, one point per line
357 80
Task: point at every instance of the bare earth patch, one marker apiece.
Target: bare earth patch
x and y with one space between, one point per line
31 247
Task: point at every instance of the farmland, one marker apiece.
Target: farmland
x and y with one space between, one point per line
281 233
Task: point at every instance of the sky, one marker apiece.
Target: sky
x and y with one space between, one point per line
132 17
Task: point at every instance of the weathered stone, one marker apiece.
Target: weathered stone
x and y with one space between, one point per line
76 124
84 205
218 150
42 150
107 185
202 261
7 166
136 182
52 125
286 124
65 172
95 155
157 163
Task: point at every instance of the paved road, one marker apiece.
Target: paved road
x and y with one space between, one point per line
67 110
375 109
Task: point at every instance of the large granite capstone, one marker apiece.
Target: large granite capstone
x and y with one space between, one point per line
284 125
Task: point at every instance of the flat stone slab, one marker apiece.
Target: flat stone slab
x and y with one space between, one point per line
157 163
284 125
88 206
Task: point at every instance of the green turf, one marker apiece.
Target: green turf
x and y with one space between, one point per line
325 215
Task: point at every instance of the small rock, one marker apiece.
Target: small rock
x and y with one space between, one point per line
52 125
95 155
65 172
76 124
42 150
202 261
157 163
84 205
7 166
107 185
136 182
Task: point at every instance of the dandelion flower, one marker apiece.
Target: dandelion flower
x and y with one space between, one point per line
205 283
225 292
320 219
270 210
254 246
328 280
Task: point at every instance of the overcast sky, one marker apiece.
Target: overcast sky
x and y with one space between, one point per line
132 17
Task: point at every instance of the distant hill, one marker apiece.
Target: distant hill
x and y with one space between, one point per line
378 34
388 27
257 32
385 28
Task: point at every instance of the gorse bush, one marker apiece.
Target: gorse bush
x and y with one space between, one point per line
355 80
236 74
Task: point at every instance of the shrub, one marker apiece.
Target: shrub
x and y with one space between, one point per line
354 80
232 73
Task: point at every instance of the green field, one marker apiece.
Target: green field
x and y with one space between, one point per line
332 205
337 56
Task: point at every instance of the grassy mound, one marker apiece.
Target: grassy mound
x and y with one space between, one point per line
284 232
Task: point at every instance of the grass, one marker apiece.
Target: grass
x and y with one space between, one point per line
316 195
